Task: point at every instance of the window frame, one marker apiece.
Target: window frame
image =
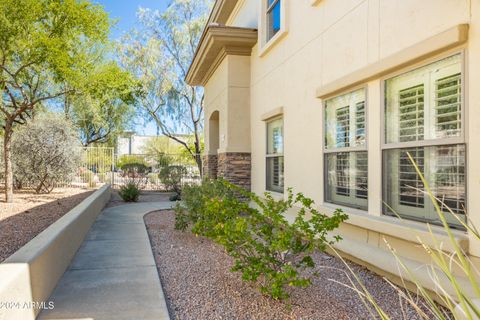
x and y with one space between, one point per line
461 139
268 11
274 155
266 43
327 151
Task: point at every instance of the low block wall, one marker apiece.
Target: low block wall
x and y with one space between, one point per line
28 277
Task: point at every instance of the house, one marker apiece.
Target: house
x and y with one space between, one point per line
130 143
332 98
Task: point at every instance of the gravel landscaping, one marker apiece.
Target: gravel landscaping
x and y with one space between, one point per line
31 213
199 285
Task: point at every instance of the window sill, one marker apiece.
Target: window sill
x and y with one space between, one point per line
275 194
417 232
272 42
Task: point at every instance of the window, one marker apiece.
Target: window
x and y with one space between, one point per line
273 17
346 162
275 155
423 120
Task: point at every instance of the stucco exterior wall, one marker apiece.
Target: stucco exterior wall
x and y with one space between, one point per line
330 40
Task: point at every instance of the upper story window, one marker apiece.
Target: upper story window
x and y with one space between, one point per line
273 17
275 177
424 119
346 163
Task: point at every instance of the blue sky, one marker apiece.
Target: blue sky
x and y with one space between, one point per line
125 12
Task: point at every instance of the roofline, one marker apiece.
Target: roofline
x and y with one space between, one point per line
221 11
218 42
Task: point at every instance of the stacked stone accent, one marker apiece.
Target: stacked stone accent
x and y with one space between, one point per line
210 164
235 167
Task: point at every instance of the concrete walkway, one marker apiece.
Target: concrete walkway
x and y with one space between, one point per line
113 275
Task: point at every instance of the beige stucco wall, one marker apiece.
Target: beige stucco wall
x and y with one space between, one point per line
230 86
30 275
331 40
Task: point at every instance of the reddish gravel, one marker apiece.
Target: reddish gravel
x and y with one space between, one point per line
198 284
32 213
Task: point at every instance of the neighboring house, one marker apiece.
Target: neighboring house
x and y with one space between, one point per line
130 144
329 97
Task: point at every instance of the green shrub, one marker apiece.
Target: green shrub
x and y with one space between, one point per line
45 153
171 177
129 192
87 177
152 178
266 247
127 160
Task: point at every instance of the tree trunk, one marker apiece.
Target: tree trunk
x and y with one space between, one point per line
7 154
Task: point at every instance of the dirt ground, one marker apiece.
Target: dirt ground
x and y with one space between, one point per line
31 213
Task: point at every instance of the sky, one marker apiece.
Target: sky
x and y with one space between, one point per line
125 12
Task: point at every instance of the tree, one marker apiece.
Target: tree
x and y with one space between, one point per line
102 109
41 47
159 55
46 151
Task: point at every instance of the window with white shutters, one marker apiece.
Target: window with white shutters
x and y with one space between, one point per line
274 161
423 123
346 163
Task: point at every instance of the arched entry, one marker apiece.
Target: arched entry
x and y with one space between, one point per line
213 143
214 132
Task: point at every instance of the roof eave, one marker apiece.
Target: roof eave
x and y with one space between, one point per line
216 43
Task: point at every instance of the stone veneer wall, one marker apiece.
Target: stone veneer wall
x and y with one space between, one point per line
210 164
235 167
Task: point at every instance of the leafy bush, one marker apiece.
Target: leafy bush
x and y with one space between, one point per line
87 176
152 177
129 192
134 170
266 247
171 176
127 161
45 152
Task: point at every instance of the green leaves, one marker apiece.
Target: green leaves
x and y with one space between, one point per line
266 247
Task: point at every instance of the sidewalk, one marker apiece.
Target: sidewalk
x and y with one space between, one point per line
113 275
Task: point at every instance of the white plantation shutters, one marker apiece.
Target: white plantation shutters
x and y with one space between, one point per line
423 118
448 105
411 122
360 121
345 150
343 126
274 162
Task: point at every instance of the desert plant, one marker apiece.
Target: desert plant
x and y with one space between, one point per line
128 161
129 192
45 152
171 176
152 178
463 303
87 175
134 170
266 247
